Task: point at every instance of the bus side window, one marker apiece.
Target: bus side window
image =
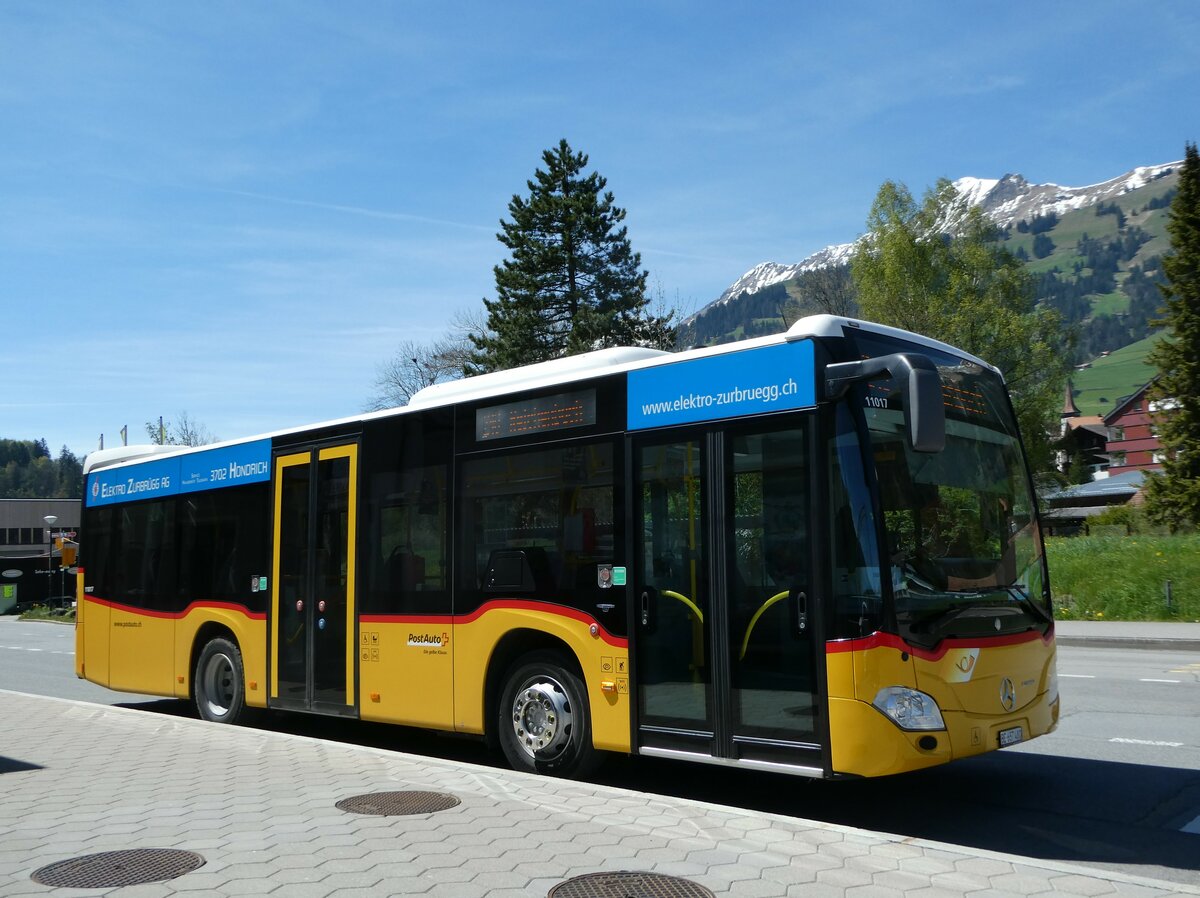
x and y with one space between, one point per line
539 523
409 568
406 520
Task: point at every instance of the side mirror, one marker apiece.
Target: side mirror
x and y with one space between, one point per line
924 408
925 411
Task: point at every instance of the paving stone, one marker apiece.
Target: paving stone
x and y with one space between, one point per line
1133 890
935 892
1022 883
1080 885
306 890
960 882
845 878
247 887
873 891
232 795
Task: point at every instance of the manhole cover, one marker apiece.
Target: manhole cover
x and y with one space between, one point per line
628 885
113 869
396 804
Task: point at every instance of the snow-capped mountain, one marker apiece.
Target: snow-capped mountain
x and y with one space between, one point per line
1005 200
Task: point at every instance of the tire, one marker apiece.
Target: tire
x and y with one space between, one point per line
543 720
219 684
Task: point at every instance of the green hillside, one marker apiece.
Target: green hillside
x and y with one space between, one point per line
1098 388
1099 267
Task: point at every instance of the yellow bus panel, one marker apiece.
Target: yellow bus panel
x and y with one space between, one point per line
91 640
249 631
603 658
142 651
982 688
406 672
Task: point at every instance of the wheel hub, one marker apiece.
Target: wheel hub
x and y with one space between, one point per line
218 685
542 717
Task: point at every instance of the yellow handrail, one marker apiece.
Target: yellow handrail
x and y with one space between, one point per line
682 598
754 620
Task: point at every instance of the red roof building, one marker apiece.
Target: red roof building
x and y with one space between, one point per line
1132 441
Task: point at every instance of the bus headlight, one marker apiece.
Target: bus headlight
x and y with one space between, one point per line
909 709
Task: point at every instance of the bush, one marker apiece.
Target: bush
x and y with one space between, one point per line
1132 518
43 612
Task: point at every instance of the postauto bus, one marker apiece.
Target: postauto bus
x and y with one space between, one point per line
816 553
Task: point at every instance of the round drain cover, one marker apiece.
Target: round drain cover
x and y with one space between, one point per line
396 804
113 869
628 885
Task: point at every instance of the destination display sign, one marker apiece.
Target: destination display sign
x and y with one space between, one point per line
204 470
541 415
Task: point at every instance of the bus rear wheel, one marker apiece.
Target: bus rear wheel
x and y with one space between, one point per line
219 683
543 719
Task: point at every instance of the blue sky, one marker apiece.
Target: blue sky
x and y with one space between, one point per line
239 210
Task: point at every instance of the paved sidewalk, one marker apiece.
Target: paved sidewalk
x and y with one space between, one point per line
1180 636
259 807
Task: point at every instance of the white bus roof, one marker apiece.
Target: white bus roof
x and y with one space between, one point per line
548 374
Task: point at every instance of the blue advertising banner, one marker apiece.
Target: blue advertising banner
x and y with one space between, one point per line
227 466
750 382
205 470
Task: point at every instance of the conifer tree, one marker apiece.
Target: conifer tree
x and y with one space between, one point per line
1173 497
572 282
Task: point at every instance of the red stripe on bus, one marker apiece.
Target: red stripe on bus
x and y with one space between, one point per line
496 605
179 615
892 641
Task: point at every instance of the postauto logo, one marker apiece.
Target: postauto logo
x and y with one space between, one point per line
429 640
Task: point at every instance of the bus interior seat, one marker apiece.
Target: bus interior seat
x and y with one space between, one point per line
405 570
527 569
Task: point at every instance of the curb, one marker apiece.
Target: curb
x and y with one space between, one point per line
1130 642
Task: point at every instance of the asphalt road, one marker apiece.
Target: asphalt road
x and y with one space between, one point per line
1117 786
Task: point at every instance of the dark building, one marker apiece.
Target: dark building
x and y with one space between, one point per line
33 533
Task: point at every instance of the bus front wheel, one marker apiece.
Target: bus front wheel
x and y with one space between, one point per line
543 721
219 682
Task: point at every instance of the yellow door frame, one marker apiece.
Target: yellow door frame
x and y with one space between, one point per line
282 462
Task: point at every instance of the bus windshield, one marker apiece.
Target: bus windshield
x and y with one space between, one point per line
963 547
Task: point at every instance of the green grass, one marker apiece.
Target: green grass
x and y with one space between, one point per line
1118 374
1123 577
41 612
1109 304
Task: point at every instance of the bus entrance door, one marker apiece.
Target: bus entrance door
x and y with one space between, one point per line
724 629
312 603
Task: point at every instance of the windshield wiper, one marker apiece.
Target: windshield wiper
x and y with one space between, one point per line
1026 601
933 621
979 610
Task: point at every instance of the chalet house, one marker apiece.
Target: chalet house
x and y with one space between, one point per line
1082 437
1132 443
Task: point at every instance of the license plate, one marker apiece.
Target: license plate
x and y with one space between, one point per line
1011 736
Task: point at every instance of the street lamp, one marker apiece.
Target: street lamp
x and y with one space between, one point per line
50 520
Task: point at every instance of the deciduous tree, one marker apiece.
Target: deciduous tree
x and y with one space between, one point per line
418 365
183 431
936 268
28 472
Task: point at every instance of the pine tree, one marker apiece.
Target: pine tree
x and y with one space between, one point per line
572 283
1173 498
963 288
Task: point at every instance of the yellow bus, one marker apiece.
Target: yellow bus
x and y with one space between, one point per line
816 553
